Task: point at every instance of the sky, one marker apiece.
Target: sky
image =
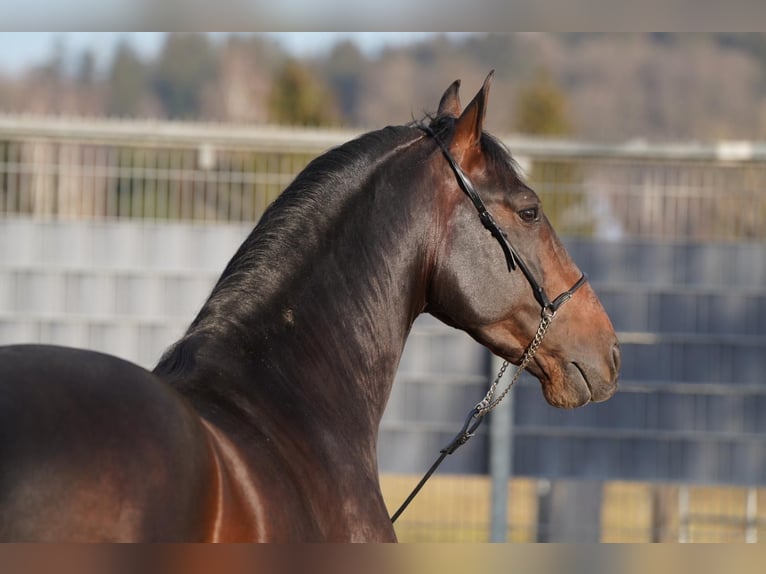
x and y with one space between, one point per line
21 50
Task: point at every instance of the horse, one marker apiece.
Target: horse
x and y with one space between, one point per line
261 422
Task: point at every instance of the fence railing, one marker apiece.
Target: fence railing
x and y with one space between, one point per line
87 168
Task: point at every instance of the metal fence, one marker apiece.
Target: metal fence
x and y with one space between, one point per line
67 169
213 173
112 232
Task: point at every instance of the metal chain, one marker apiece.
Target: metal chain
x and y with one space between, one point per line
488 402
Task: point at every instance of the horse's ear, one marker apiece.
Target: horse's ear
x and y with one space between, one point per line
469 125
449 105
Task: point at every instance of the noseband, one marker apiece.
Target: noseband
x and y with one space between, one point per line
548 312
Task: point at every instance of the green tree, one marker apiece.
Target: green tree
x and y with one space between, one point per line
187 65
542 108
299 98
344 70
128 82
54 70
86 68
542 111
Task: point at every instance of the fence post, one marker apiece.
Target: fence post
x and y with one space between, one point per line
751 515
664 512
684 517
500 460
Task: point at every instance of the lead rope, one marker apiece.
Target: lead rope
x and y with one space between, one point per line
483 407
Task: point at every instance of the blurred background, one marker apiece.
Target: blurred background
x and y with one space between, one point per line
596 86
133 164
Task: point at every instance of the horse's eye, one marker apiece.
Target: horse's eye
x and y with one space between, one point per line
529 215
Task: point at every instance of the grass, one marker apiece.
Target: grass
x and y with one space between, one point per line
456 508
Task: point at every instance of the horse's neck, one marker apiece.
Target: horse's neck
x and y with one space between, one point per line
321 331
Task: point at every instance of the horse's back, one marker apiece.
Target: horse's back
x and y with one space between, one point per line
95 448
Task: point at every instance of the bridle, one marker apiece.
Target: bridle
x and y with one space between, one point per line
512 257
548 312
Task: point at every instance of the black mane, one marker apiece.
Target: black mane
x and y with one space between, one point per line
290 224
291 221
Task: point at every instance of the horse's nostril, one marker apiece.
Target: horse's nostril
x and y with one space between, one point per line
616 357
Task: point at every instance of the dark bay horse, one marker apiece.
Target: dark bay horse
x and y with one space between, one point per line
261 422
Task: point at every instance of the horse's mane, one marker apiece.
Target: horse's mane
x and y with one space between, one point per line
296 211
289 221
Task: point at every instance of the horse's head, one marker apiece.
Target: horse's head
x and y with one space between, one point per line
484 283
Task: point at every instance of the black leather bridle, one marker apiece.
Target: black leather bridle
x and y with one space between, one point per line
548 312
512 257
